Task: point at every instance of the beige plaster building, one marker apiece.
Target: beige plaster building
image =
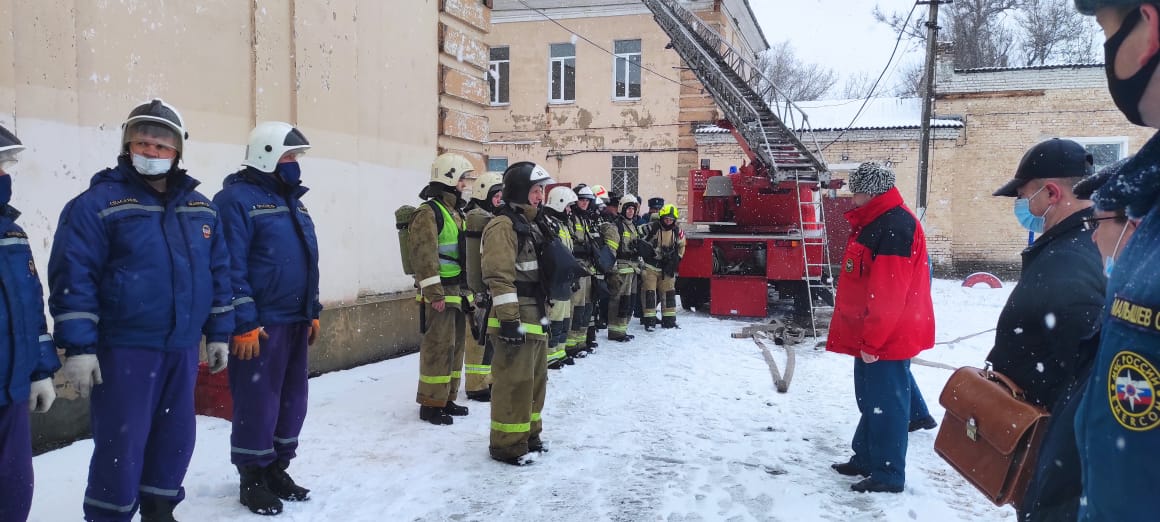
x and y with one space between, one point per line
593 94
378 87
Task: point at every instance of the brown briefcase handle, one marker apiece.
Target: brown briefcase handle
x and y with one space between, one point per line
1015 390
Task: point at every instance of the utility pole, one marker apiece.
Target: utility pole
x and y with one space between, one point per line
927 106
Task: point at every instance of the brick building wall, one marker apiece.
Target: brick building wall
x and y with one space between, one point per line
1006 112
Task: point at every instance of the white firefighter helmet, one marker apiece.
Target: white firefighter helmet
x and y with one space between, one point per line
149 118
486 185
585 192
271 140
559 198
449 167
629 199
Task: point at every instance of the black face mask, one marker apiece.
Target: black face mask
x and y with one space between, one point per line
1128 92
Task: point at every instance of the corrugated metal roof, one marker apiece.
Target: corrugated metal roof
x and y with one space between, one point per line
880 113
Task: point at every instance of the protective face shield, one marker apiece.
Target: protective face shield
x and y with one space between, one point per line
270 141
10 148
160 115
449 167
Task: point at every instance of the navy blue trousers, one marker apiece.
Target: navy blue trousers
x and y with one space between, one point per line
270 393
883 392
15 462
1057 484
143 429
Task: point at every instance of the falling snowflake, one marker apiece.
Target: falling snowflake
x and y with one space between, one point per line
1049 320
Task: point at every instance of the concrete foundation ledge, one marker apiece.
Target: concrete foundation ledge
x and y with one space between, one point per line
369 330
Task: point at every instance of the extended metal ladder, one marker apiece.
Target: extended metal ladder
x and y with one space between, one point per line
774 128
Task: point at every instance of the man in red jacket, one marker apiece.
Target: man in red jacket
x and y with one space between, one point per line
883 316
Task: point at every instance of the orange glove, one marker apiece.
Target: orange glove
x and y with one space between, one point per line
248 345
314 329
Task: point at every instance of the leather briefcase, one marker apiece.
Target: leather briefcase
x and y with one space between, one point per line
990 433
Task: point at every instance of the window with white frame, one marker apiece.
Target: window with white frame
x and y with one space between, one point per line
497 164
626 70
499 73
562 73
1105 150
625 174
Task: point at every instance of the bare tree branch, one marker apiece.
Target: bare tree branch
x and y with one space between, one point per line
858 85
1054 32
793 78
912 80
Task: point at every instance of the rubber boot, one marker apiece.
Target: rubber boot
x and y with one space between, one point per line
435 415
255 494
669 321
282 486
455 410
155 509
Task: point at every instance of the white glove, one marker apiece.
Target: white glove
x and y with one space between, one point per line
217 355
82 372
42 395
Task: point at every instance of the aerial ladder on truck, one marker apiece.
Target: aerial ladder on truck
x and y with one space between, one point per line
782 171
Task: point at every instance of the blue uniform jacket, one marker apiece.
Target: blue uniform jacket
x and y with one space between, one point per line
27 353
134 268
273 250
1118 420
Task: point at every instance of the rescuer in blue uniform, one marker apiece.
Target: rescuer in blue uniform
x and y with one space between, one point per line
1118 421
138 273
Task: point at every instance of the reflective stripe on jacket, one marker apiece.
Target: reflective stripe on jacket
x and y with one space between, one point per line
134 268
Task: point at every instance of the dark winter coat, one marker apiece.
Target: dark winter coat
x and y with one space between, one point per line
273 250
26 353
134 268
1054 307
1118 421
883 306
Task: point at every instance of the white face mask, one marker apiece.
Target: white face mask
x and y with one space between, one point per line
152 166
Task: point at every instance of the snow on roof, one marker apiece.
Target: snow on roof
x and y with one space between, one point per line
1031 67
880 113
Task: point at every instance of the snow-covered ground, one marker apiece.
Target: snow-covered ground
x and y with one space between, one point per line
678 425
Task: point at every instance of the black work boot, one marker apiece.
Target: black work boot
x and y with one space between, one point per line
435 415
669 321
156 509
483 395
873 486
455 410
849 470
590 339
537 445
650 323
282 486
556 364
255 494
927 423
568 360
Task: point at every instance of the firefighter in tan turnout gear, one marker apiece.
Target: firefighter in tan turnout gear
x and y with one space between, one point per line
486 197
558 210
437 254
585 240
662 249
622 237
516 324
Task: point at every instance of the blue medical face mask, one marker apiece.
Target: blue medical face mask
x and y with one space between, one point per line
1110 260
291 173
1026 218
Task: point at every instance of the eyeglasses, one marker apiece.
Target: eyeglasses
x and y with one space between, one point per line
1092 222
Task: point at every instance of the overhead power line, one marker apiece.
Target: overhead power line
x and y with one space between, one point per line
594 44
897 42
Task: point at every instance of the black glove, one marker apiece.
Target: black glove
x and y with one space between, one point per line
575 286
510 332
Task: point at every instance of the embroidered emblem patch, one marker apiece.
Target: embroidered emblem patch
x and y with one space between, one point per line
849 265
206 231
1132 381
